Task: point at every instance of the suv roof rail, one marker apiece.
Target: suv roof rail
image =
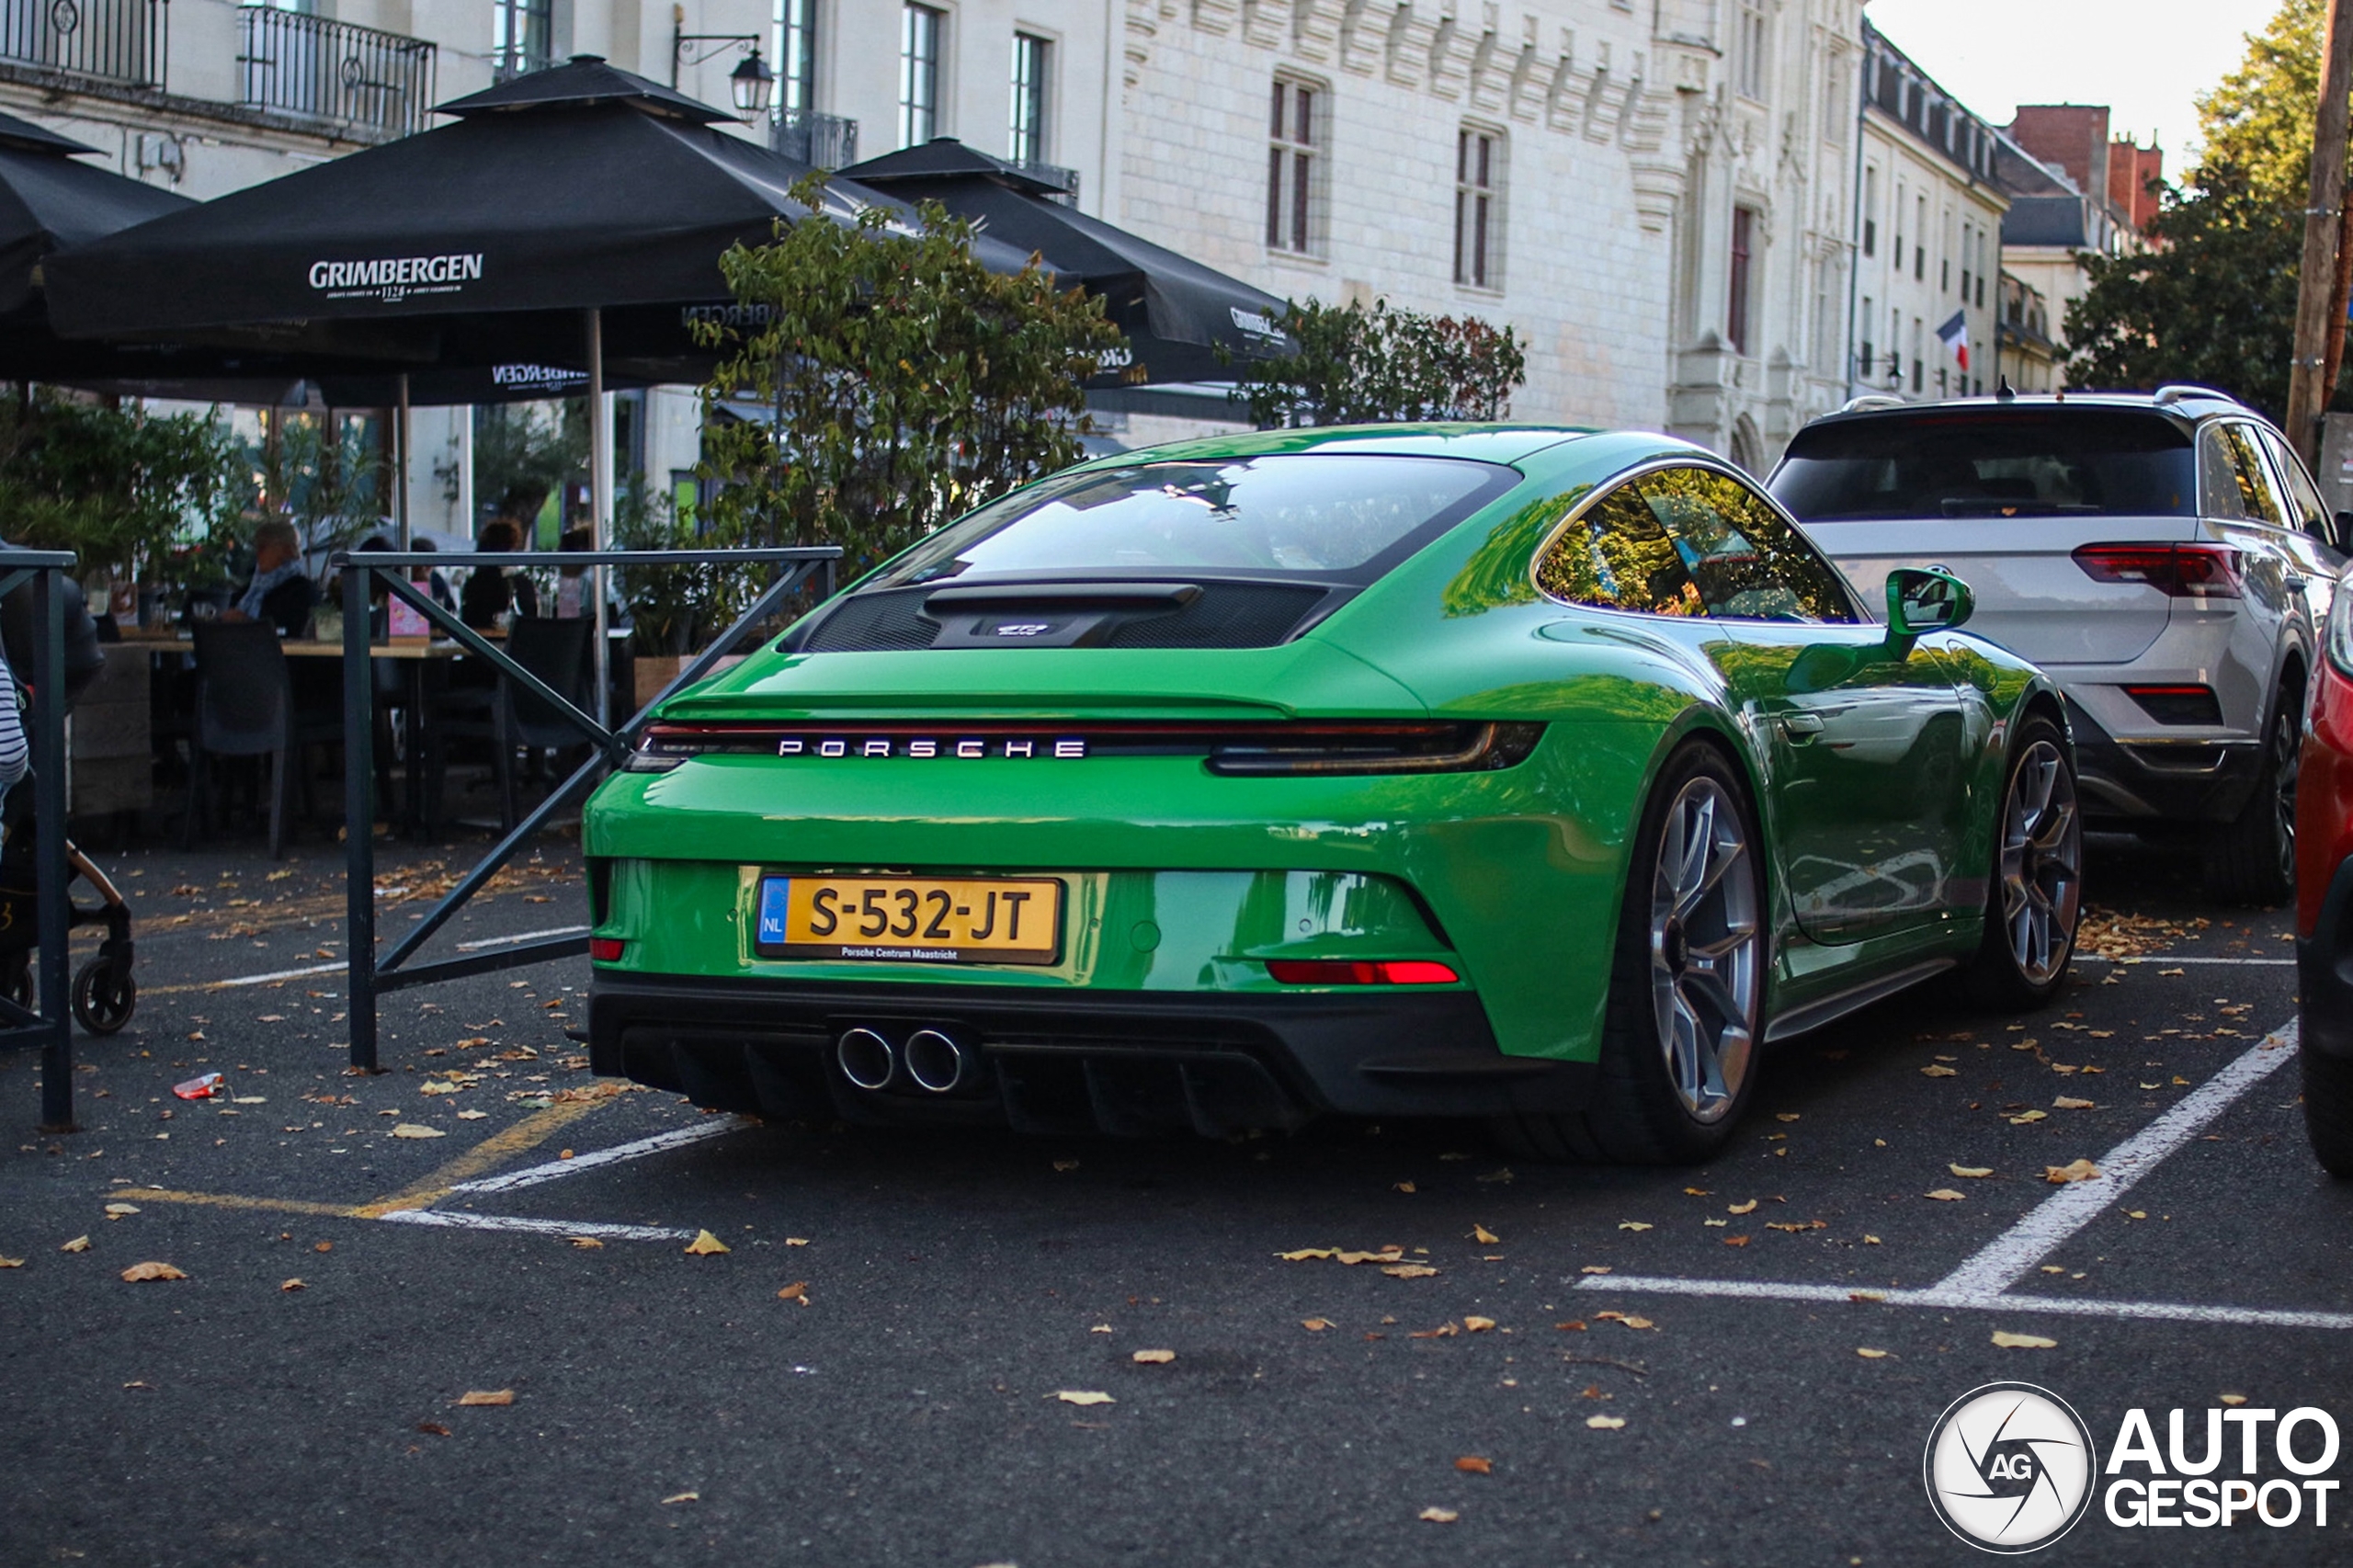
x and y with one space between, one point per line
2186 391
1871 401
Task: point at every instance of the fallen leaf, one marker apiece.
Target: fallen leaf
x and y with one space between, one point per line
293 1285
1472 1464
705 1245
1718 1224
1604 1423
796 1291
324 1246
1065 1164
1575 1325
1697 1192
2069 1102
79 1244
796 1241
1438 1516
1735 1240
2010 1341
1940 1071
116 1210
682 1497
487 1396
2025 1118
1403 1186
1153 1358
1084 1396
437 1088
2136 1213
1971 1170
1870 1355
1867 1295
1632 1225
1478 1325
1595 1269
1484 1236
411 1130
1315 1325
140 1272
2231 1399
1747 1207
2074 1170
1795 1226
1100 1328
1303 1253
1443 1331
1943 1195
11 1263
1632 1322
2179 1079
433 1428
1785 1115
1870 1241
1409 1271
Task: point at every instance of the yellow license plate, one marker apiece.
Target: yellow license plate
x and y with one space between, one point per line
918 919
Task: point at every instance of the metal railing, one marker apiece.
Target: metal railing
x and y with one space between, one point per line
51 1027
323 69
824 141
114 40
370 977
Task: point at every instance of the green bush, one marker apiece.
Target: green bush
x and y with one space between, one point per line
1383 366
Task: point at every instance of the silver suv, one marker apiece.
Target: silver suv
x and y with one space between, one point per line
2165 557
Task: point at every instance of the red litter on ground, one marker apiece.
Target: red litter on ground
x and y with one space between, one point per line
202 1088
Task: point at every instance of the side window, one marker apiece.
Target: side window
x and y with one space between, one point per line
2258 499
1617 556
2305 508
1747 563
1691 541
2218 488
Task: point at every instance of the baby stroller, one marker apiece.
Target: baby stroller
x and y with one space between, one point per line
104 992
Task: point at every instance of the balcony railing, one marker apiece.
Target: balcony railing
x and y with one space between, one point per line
824 141
327 70
113 40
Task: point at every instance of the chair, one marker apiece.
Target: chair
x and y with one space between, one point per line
245 707
557 652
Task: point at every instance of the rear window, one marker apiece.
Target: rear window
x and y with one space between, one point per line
1344 518
2088 464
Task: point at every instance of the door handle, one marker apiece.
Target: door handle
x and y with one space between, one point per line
1800 727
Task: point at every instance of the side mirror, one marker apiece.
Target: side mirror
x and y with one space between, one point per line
2340 532
1925 598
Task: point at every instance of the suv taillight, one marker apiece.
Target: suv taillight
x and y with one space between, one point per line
2177 571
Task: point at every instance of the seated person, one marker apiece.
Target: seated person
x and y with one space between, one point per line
281 592
490 592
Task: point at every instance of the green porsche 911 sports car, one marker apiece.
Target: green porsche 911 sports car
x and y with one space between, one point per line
1535 775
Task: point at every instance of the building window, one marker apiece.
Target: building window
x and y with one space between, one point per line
1863 355
1895 217
1743 236
1919 239
1478 218
1292 168
921 34
521 36
792 40
1750 47
1919 365
1968 255
1870 212
1032 63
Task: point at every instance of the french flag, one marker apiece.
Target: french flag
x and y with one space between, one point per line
1954 336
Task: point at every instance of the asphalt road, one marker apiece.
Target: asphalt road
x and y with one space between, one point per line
901 1406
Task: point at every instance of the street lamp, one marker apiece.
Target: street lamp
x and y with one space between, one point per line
749 84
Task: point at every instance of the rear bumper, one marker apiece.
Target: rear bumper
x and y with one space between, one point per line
2325 972
1071 1061
2201 779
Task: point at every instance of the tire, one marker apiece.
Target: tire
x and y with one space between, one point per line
2036 898
2328 1109
1681 1036
2251 860
102 1000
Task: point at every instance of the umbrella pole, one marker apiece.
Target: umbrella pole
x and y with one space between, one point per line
600 501
400 464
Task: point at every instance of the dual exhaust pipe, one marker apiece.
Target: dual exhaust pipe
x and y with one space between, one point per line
932 1060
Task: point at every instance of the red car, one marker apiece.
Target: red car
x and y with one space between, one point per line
2325 897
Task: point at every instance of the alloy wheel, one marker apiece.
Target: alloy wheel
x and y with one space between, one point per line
2042 864
2287 757
1706 949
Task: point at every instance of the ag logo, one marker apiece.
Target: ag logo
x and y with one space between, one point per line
2009 1468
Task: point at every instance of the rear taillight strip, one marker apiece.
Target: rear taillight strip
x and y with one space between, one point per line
2177 570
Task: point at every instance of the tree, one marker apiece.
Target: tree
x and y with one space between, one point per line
1383 365
120 488
2214 301
521 455
893 383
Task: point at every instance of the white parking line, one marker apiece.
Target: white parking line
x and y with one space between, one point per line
462 1221
481 942
335 968
531 1176
1999 1265
1983 1282
2171 959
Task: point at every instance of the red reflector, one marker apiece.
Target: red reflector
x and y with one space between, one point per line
604 950
1360 972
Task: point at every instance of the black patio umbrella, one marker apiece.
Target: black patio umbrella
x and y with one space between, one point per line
1184 322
